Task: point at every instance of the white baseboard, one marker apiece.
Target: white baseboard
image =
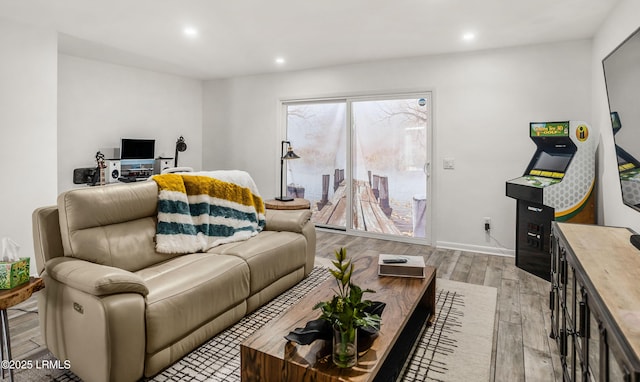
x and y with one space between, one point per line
493 250
476 248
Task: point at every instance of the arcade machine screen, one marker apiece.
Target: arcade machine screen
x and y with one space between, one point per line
548 169
552 162
622 161
627 165
615 122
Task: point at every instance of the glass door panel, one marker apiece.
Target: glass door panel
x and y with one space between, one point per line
389 166
318 133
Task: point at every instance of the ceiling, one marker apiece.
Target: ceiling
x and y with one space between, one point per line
244 37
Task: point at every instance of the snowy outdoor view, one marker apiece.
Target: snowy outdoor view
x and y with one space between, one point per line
388 154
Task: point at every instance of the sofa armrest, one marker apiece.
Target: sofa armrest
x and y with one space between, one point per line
286 220
95 279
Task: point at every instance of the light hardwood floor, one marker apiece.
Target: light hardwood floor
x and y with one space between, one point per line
522 349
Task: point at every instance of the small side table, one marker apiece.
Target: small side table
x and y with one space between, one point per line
295 204
9 298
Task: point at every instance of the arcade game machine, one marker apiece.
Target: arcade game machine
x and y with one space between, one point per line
628 167
557 185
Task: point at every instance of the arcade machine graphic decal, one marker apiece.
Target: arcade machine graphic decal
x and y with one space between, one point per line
557 185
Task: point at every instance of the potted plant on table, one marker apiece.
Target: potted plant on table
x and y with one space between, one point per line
346 312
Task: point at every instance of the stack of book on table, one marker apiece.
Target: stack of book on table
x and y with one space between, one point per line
401 265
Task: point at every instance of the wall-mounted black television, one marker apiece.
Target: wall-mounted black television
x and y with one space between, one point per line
137 148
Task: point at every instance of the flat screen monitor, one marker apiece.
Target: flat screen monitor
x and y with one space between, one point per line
554 162
137 148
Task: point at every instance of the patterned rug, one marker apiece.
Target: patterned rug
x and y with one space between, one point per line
457 347
219 359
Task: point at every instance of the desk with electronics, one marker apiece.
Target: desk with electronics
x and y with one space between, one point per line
132 161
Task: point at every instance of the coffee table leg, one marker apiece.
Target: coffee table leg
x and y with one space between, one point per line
6 343
2 343
430 300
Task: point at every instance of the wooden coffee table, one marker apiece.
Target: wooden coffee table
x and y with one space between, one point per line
267 356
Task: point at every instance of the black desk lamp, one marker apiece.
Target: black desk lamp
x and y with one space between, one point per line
180 147
289 155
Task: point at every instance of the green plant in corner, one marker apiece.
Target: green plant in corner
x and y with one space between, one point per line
346 311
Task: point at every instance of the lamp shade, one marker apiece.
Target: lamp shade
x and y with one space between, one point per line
181 144
290 154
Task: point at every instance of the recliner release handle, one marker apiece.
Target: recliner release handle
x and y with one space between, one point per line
78 308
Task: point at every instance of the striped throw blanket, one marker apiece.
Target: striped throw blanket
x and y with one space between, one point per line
197 213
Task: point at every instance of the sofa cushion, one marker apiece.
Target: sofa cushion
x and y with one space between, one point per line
189 291
113 225
270 256
285 220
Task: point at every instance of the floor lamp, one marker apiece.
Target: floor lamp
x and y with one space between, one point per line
180 147
283 157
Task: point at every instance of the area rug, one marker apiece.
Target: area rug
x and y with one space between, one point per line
457 347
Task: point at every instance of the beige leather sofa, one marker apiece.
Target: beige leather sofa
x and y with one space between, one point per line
118 310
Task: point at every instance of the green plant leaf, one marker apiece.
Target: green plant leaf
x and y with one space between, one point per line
346 309
346 278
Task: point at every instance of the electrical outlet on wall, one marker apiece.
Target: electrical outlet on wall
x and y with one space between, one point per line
487 224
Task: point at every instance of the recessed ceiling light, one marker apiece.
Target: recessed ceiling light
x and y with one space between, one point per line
469 36
190 32
280 60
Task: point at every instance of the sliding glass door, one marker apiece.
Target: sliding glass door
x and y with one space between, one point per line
318 133
389 156
364 163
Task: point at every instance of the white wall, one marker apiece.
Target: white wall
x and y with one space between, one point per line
623 20
100 103
28 124
483 103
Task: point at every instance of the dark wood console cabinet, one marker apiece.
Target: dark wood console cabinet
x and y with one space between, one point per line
595 302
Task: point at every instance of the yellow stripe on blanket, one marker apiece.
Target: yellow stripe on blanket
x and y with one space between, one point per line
171 182
202 185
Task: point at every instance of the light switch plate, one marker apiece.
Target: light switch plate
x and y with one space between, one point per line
449 163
